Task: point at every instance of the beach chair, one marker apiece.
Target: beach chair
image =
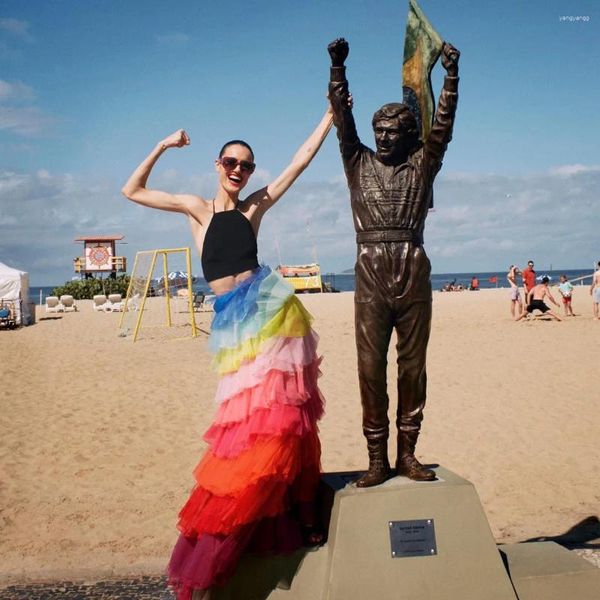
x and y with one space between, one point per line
114 303
207 305
99 302
53 304
198 301
68 303
7 320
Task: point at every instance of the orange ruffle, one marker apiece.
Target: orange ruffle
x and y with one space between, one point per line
261 482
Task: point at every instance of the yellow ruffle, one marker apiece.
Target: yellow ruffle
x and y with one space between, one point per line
291 320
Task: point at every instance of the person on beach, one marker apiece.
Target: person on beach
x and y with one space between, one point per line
595 293
256 483
515 295
535 300
528 276
565 289
390 195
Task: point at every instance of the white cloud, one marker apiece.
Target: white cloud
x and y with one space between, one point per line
15 92
19 29
568 170
174 39
485 221
481 223
17 113
26 121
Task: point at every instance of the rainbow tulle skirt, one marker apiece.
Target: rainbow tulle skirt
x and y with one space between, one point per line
262 465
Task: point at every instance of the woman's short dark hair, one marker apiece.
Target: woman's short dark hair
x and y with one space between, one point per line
236 143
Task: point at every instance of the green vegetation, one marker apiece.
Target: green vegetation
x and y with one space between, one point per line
86 289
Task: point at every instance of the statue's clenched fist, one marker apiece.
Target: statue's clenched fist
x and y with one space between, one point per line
450 56
338 50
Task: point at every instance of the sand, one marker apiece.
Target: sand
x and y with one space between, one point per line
99 436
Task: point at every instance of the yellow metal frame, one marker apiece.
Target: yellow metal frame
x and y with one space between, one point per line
165 252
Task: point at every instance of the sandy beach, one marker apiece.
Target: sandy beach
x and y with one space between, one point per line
100 435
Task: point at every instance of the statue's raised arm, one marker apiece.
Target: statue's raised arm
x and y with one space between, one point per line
443 122
339 96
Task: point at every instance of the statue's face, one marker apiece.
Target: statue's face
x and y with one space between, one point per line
391 141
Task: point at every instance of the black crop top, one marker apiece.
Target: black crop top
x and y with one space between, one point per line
229 246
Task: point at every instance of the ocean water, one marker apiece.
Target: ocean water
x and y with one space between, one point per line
344 282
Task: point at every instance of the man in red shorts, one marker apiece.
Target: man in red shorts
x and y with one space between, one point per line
528 275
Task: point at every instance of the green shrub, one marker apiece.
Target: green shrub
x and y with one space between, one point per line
86 289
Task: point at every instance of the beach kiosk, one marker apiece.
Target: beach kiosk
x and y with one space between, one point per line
99 256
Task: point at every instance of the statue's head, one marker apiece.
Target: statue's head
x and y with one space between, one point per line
396 133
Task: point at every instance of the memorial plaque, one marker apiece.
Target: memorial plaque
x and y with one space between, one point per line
412 538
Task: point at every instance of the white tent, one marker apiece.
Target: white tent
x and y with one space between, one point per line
14 285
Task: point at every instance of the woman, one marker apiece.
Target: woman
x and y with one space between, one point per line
256 483
515 296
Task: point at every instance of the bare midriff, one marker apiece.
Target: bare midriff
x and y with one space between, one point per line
226 284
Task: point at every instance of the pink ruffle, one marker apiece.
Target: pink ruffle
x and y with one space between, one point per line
281 354
229 440
276 388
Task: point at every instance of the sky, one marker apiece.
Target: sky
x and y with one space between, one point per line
88 87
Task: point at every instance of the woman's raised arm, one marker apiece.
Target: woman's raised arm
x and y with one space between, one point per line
266 197
135 188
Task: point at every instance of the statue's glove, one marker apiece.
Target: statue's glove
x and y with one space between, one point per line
338 51
450 56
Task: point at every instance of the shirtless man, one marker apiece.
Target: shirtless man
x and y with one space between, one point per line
595 293
515 296
535 300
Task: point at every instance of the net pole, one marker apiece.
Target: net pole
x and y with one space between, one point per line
188 262
167 294
148 279
129 288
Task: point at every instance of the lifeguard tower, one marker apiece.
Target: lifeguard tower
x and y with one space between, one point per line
99 256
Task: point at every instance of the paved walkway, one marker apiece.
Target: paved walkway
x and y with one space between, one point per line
145 588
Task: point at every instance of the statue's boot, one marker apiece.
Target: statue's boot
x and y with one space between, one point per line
379 466
406 462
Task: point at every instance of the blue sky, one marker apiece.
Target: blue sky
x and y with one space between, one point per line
88 87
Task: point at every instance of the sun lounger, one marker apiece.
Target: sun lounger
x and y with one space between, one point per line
114 303
99 302
53 304
68 303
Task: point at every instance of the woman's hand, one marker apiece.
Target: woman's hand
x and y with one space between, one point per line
176 140
349 101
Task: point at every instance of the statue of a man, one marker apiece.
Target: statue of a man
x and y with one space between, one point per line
390 192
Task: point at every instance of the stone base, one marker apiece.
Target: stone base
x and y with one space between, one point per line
547 571
357 561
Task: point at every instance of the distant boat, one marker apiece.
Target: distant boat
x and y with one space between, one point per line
303 278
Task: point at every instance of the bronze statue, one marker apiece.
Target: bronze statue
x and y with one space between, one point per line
390 192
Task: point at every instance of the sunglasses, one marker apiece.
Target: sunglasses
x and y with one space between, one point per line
231 163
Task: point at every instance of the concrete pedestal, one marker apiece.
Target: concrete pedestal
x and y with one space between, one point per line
547 571
357 561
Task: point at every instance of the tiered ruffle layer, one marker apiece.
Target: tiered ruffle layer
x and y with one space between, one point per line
263 460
